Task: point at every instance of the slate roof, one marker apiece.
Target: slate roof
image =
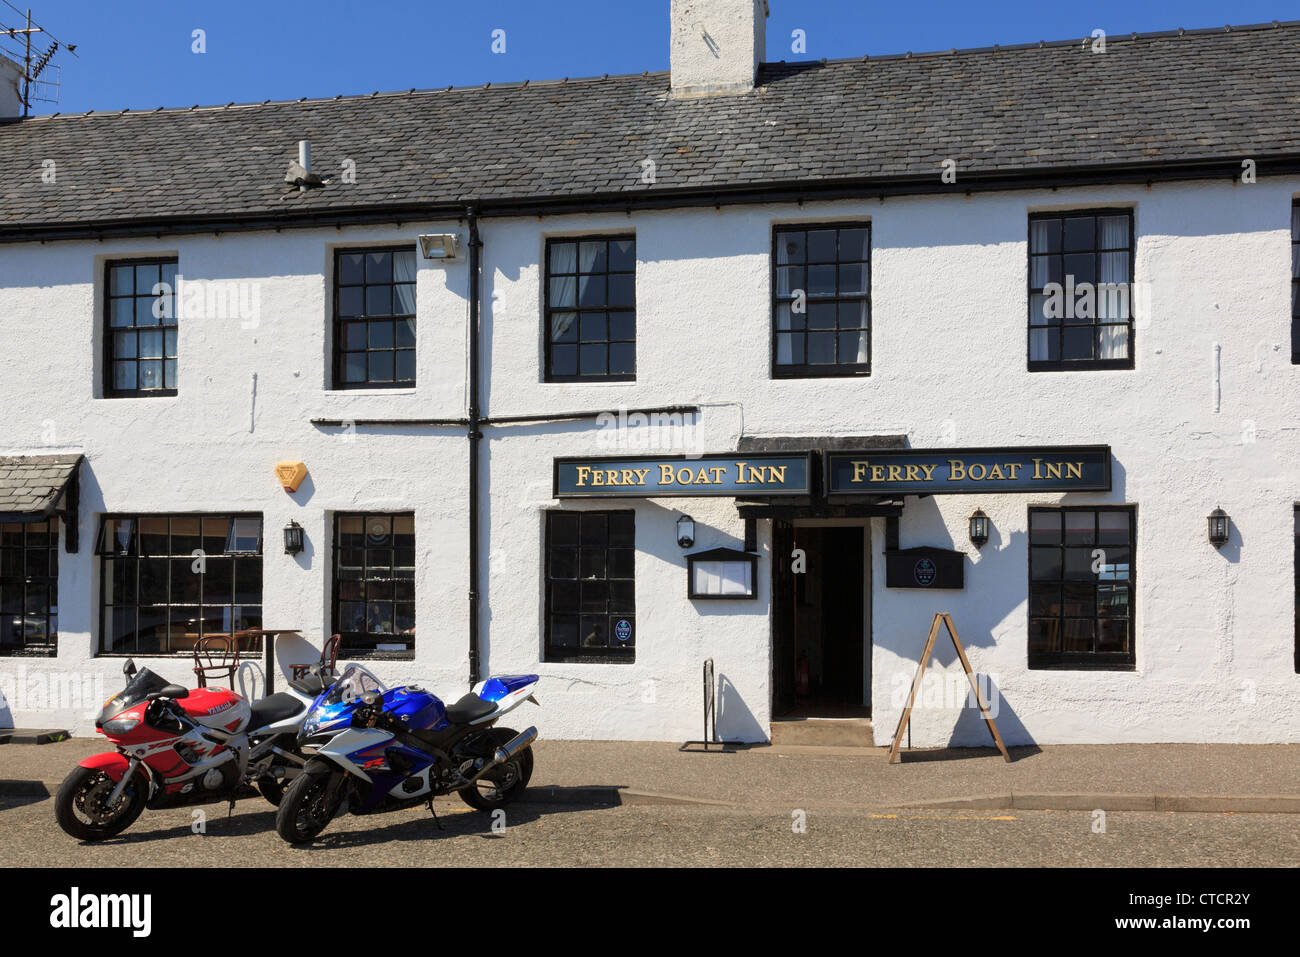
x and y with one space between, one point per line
1153 98
32 484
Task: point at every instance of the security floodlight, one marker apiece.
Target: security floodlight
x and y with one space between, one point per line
439 245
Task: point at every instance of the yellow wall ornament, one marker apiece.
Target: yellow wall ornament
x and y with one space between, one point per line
290 474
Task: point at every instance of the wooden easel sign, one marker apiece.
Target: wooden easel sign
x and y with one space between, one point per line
946 620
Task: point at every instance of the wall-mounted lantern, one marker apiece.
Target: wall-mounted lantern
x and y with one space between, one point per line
979 529
1218 520
293 538
721 573
686 531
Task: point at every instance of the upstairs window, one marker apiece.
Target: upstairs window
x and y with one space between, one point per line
1081 290
140 328
374 318
821 303
591 309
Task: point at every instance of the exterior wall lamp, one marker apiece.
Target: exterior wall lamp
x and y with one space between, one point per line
293 538
1218 520
979 528
686 531
439 245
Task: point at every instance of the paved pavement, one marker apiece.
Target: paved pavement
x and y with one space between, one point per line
731 809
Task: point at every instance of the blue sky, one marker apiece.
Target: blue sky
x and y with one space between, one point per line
137 53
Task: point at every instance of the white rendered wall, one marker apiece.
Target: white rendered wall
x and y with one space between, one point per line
1214 629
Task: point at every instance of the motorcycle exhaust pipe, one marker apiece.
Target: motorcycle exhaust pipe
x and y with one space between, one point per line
507 751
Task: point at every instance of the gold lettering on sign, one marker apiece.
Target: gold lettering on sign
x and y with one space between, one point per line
877 473
858 469
996 472
640 475
1038 468
973 476
1054 470
929 472
956 470
1074 470
1013 468
583 473
665 475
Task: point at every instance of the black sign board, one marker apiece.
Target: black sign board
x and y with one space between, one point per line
925 567
734 474
1069 468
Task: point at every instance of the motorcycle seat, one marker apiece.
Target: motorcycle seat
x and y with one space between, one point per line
271 709
310 685
469 708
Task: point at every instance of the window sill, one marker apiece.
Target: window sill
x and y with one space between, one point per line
1081 666
590 660
151 394
609 380
370 390
803 372
1112 365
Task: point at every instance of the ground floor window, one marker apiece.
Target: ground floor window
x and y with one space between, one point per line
374 581
590 588
29 588
1081 575
168 580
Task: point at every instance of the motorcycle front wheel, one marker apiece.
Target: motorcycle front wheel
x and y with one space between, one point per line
307 806
505 782
81 807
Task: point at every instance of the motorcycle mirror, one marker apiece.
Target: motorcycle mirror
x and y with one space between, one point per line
168 691
128 669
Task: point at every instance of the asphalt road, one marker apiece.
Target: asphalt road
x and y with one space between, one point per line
635 835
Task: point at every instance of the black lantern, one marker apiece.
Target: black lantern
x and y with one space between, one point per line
979 528
686 531
292 538
1218 520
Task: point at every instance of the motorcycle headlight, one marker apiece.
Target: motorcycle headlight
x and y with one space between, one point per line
120 725
310 727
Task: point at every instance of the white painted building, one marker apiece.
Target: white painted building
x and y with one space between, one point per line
1124 625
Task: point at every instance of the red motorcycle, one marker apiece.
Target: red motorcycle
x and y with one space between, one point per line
177 747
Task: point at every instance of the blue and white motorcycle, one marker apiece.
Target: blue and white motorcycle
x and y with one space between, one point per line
384 750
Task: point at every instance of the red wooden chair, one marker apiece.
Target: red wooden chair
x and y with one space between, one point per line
329 657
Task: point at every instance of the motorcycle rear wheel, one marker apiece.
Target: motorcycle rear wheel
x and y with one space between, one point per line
80 807
504 783
306 808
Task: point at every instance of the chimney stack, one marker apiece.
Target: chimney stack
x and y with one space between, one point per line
716 45
11 85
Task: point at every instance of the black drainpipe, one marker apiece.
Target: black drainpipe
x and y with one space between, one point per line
475 437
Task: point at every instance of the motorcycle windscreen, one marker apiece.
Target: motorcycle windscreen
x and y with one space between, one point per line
137 689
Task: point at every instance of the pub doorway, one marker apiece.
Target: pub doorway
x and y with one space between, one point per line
821 619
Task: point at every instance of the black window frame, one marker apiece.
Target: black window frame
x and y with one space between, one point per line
808 370
1091 660
14 578
549 310
362 644
164 326
1295 282
338 337
1080 365
610 653
137 553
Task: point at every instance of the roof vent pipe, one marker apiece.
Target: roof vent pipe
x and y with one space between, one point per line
304 160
